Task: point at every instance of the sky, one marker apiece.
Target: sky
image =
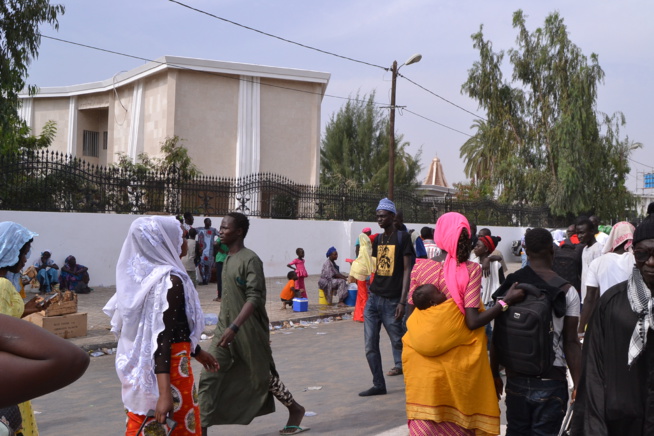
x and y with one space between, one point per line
373 31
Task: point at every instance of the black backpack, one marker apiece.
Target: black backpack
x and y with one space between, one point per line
523 335
567 263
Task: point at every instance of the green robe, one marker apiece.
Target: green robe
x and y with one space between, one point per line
239 391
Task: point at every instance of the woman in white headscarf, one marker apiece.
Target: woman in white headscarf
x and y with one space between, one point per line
157 318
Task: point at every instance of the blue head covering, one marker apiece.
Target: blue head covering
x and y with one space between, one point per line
330 251
12 238
386 204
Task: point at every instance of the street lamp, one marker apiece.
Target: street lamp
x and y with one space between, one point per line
391 142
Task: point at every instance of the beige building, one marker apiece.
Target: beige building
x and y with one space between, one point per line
235 119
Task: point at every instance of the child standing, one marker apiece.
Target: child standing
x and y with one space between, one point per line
297 265
290 291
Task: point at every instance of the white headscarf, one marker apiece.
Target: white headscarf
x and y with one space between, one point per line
149 256
12 238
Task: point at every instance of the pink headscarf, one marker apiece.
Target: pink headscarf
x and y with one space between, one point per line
446 236
620 233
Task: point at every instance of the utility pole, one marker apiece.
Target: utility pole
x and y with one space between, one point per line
391 124
391 138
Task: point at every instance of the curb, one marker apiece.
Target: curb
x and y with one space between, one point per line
312 317
209 329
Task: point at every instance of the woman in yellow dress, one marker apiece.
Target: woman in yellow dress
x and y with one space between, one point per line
15 245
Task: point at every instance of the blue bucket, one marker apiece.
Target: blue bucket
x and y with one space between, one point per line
351 299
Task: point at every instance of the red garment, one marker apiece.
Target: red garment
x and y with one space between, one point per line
186 412
574 239
362 299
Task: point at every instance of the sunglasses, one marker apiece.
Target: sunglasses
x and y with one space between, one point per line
643 255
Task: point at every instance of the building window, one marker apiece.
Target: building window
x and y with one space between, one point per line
91 144
105 138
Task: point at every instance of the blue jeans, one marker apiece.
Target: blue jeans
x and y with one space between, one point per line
534 406
378 311
47 278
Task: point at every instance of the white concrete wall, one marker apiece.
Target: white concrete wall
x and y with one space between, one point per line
96 240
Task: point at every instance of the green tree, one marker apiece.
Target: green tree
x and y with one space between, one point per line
543 141
354 149
19 44
174 155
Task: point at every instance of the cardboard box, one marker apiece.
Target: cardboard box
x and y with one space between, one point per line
61 308
65 326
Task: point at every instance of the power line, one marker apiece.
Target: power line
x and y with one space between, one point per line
274 36
640 163
442 98
183 67
436 122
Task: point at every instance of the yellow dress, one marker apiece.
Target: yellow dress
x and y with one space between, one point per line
447 373
12 304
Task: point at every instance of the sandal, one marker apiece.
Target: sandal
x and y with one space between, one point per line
293 429
394 371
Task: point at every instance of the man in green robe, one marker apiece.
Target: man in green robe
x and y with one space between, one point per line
244 386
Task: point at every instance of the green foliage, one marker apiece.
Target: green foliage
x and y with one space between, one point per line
19 44
26 141
543 141
175 157
354 149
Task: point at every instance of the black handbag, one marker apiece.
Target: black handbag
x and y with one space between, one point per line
10 420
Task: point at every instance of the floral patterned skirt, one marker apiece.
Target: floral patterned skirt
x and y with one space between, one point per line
186 411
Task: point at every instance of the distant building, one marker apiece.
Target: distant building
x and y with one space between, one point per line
235 119
435 184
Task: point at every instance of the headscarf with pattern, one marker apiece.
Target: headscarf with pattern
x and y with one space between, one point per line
621 233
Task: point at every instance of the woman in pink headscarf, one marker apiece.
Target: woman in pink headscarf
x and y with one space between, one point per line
449 389
458 277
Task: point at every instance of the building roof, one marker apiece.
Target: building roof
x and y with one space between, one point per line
436 175
183 63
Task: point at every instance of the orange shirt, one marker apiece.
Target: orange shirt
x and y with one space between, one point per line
288 291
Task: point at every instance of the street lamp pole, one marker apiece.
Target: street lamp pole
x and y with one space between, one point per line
391 124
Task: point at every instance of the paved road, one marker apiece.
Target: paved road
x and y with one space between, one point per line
327 355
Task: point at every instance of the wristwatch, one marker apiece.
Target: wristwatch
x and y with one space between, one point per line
504 304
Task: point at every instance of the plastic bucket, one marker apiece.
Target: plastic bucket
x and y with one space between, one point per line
321 297
351 299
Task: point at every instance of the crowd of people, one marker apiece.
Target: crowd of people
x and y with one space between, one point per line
436 293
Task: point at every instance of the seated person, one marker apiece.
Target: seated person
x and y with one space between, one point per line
289 292
331 280
74 277
46 272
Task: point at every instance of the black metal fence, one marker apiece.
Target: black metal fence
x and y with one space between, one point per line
51 181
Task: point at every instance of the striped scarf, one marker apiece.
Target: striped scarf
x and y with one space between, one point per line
641 301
